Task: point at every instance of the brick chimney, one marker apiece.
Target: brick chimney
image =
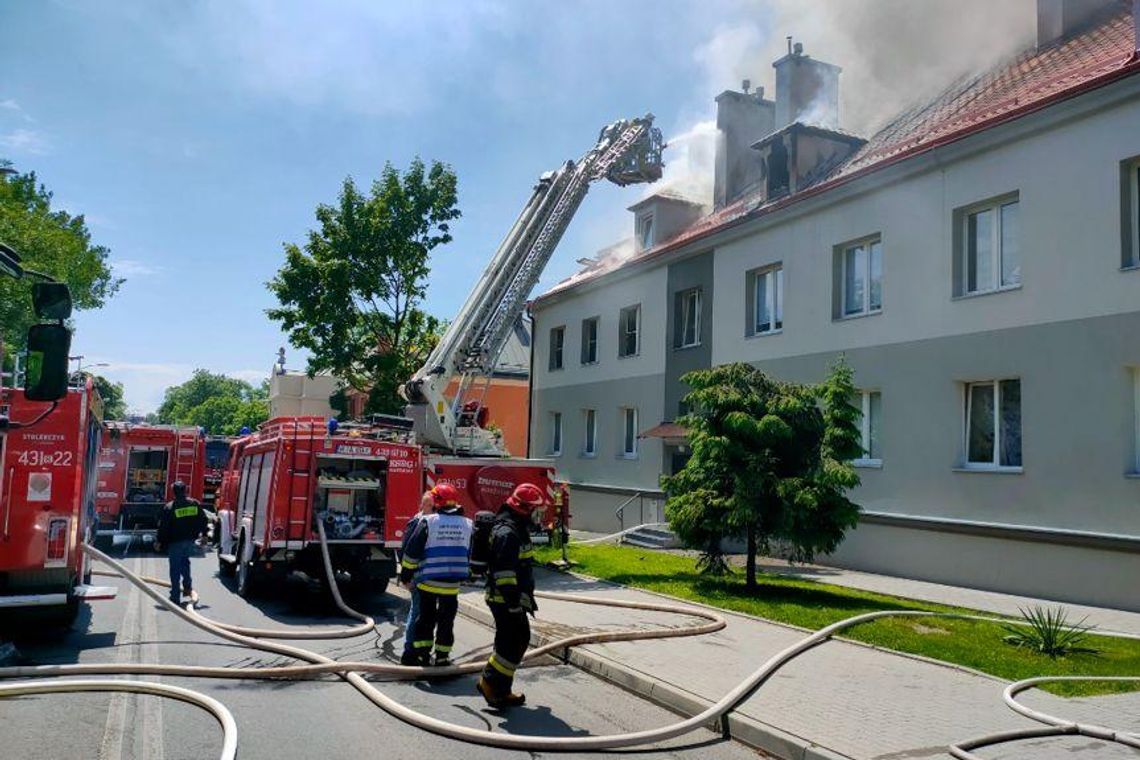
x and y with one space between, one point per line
1057 19
807 90
742 118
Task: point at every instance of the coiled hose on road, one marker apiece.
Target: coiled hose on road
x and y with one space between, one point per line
351 672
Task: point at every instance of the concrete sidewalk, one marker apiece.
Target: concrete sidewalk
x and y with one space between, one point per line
839 700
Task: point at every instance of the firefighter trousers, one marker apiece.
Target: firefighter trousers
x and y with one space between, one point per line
512 636
436 623
178 556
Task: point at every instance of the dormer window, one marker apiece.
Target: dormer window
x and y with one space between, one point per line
645 231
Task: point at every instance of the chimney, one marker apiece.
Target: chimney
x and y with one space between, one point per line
742 118
1057 19
807 90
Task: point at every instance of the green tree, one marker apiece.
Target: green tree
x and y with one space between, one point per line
114 406
53 242
222 405
771 461
351 294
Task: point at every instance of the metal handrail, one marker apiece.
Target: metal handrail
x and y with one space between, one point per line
619 513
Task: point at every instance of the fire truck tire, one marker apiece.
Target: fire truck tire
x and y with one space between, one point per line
246 582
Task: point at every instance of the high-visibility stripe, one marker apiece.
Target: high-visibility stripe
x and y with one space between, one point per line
186 511
505 574
432 588
526 554
409 564
506 581
502 666
495 597
443 647
426 644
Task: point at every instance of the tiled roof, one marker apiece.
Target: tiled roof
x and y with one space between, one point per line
1028 82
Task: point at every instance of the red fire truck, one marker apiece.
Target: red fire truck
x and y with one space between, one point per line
138 467
47 499
217 455
362 482
484 483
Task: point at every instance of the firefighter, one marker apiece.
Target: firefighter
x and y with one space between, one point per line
438 557
426 503
182 522
510 593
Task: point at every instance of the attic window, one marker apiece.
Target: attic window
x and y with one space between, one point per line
1130 216
645 231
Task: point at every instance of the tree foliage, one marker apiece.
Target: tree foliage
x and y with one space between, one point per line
351 295
771 461
53 242
114 406
222 405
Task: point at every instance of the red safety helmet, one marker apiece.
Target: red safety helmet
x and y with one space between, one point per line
526 498
444 495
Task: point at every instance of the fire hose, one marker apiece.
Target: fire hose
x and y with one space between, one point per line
351 672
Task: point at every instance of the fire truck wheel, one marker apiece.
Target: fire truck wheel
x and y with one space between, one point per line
245 576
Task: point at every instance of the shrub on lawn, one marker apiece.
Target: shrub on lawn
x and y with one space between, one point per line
1048 631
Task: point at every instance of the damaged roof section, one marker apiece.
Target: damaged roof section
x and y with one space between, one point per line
1098 52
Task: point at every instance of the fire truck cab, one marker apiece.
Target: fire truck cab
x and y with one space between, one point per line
47 501
138 467
362 482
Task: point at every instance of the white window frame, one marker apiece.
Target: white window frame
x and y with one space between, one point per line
865 308
995 464
589 432
773 279
556 432
596 323
628 446
695 312
994 284
1134 209
645 230
865 422
1136 421
560 331
636 309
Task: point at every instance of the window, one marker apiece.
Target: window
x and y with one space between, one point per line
555 433
993 424
629 433
1130 216
687 319
629 324
645 231
766 296
990 247
1136 419
557 341
870 404
590 340
861 275
590 432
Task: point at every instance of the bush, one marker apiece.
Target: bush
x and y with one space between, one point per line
1048 631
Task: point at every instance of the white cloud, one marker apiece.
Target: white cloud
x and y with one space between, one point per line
14 107
134 268
24 141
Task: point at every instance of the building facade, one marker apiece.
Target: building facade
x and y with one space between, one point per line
977 263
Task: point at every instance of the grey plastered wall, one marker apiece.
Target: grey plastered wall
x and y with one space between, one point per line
695 272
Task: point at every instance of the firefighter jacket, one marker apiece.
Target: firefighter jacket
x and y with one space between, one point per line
510 565
181 520
437 553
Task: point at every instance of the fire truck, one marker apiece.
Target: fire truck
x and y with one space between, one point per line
47 497
217 455
138 467
361 482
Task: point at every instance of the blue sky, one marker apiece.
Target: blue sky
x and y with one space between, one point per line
198 137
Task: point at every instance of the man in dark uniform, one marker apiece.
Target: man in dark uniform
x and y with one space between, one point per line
182 522
510 593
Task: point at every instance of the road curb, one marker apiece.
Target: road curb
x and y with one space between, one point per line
738 727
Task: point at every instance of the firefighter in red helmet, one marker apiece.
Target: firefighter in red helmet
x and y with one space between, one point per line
510 592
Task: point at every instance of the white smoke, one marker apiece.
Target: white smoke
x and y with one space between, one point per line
690 157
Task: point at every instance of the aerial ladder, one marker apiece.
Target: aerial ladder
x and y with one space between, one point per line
627 152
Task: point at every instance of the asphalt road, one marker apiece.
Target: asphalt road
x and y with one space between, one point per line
319 719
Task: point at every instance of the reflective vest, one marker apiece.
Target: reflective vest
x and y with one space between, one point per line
444 561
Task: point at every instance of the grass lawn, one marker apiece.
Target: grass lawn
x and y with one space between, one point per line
811 604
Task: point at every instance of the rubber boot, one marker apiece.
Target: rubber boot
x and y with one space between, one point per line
414 659
442 660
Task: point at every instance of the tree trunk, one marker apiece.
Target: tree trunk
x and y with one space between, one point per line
750 560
